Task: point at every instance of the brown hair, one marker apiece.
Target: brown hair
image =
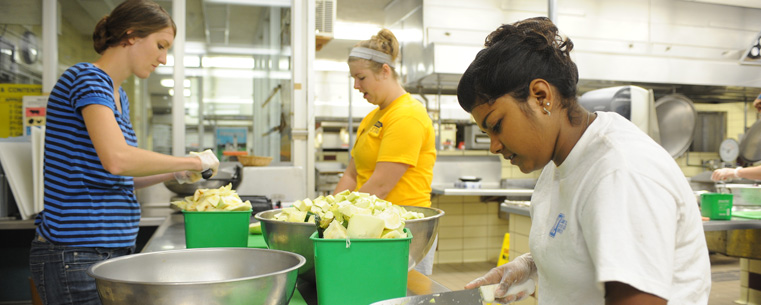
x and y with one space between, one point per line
384 41
142 17
515 55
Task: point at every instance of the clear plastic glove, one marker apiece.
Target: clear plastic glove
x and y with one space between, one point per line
515 272
724 174
208 161
183 177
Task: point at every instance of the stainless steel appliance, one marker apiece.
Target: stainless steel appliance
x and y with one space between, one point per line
284 184
475 138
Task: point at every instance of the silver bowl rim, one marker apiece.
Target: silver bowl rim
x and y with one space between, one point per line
439 213
91 273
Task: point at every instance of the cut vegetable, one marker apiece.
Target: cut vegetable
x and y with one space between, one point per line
365 226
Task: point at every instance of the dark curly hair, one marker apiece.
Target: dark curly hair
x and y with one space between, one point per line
142 17
515 55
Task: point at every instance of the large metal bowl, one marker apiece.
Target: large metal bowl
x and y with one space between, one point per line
294 236
199 276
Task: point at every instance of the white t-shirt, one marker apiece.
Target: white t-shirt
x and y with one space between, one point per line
617 209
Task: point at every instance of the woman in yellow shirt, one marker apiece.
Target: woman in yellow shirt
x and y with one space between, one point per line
395 149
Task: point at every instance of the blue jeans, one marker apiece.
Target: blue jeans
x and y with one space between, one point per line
60 272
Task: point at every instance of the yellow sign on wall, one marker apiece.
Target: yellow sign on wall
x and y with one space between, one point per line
11 107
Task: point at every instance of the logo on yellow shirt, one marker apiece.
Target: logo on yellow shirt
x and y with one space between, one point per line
376 129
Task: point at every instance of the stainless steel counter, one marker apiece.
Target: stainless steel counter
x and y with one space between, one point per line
151 216
736 223
489 192
171 235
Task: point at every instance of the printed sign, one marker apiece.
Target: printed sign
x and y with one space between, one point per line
11 107
34 107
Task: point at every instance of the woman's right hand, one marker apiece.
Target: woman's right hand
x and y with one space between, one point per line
724 174
208 161
517 271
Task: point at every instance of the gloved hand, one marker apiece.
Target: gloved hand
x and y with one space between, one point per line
517 271
183 177
724 174
208 161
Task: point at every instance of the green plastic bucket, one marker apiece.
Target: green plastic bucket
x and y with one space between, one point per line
716 206
216 228
362 271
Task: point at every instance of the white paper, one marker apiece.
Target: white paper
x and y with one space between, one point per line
16 159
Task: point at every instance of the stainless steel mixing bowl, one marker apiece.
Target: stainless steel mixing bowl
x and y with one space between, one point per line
294 236
291 237
199 276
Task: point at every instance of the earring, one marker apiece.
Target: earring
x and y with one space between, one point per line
547 111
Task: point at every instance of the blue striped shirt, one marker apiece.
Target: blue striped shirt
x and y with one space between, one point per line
85 205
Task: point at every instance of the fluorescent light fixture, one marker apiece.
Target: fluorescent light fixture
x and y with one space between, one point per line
228 100
195 48
188 60
330 65
169 83
354 30
267 3
227 73
233 62
243 50
185 92
408 35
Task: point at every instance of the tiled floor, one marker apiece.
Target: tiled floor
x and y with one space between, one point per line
725 288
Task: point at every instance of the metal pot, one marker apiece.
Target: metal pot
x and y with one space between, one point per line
229 172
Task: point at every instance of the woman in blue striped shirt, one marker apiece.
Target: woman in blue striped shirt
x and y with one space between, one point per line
92 163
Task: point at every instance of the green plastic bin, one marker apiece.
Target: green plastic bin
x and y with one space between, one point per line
716 206
362 271
216 228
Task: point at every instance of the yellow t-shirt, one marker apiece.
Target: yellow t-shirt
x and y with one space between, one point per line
401 133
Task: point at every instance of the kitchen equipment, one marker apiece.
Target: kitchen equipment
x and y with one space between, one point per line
632 102
468 182
468 296
448 169
205 229
716 206
198 276
370 269
280 183
750 145
744 194
258 203
729 150
289 236
677 119
475 138
229 172
294 236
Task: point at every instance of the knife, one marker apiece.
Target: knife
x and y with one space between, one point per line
460 297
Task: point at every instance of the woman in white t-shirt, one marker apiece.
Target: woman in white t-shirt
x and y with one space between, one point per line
614 220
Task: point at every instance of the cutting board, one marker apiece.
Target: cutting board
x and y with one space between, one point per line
256 241
747 214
